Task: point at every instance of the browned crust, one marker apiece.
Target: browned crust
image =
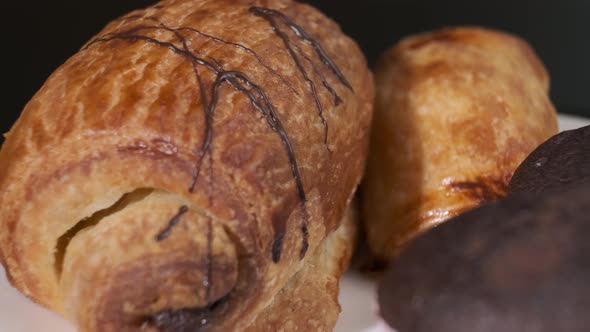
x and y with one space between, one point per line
126 114
457 110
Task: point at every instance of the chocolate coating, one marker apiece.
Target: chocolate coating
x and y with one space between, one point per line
562 160
521 264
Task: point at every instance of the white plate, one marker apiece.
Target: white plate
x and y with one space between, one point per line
359 312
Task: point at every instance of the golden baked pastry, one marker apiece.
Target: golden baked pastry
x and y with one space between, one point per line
189 169
457 110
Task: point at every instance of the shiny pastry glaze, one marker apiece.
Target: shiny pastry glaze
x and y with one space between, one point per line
241 82
163 235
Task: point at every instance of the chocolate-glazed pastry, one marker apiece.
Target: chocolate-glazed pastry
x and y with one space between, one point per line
521 264
189 170
457 111
562 160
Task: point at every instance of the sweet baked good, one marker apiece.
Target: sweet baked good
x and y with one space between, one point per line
189 169
457 110
562 160
520 264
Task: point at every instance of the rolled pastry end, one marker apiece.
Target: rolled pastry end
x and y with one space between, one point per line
116 278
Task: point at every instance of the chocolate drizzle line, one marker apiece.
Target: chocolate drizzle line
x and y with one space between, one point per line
270 14
238 80
303 72
165 233
248 50
305 235
255 93
272 17
277 244
208 119
316 70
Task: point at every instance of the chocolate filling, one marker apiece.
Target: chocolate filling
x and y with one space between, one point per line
183 320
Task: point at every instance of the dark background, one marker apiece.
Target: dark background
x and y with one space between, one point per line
38 36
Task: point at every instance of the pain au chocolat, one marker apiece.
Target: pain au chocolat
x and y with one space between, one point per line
457 110
189 169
